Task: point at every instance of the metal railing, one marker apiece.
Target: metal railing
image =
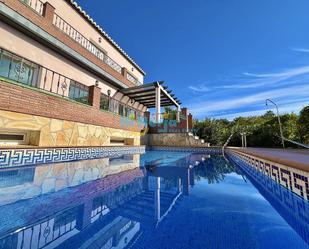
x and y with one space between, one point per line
42 234
162 116
110 104
65 27
132 79
36 5
20 70
296 143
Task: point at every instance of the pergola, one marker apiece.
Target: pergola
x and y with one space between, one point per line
153 95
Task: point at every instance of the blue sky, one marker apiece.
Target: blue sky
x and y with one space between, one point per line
222 58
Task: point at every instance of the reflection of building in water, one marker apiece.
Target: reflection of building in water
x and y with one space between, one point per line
52 220
30 182
106 213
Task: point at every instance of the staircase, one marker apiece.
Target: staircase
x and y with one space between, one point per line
196 141
142 207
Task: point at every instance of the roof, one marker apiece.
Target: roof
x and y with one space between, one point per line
146 94
79 9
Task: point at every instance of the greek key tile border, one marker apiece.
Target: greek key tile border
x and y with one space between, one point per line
293 179
208 150
293 208
32 156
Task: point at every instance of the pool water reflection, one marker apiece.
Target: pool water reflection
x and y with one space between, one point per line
155 200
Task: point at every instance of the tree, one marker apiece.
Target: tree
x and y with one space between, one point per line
303 123
262 131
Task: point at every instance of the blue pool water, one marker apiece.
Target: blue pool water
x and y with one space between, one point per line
155 200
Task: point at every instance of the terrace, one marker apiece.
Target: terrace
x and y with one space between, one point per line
80 138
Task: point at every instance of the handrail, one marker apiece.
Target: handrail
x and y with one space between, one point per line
68 29
26 72
131 78
36 5
226 143
296 143
113 105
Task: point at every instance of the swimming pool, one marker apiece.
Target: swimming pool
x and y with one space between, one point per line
160 199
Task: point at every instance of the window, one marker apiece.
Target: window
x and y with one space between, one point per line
15 68
78 92
121 109
104 102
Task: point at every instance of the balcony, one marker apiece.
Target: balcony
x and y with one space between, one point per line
35 5
83 41
132 79
75 45
16 69
110 104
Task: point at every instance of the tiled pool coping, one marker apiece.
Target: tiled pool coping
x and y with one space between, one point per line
294 158
292 178
29 156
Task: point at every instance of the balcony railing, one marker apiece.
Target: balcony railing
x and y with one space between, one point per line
162 117
82 40
115 106
131 78
20 70
36 5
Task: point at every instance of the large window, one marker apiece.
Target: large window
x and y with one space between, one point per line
78 92
17 69
104 102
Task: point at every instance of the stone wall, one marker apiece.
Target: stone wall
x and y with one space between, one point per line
173 140
50 132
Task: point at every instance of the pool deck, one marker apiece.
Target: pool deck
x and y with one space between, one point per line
293 158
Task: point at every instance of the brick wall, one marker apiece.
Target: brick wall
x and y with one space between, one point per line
45 23
20 99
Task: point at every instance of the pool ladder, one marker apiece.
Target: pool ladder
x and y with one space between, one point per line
226 143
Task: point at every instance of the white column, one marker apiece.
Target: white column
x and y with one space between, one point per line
157 199
178 114
158 103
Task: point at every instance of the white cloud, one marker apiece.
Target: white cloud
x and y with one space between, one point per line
302 50
269 79
288 73
210 107
200 88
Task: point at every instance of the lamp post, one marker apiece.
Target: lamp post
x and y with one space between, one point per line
279 121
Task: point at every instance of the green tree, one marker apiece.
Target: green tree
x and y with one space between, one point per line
303 123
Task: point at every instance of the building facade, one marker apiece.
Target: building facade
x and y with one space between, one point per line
60 76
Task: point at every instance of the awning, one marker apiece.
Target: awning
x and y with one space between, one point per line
146 95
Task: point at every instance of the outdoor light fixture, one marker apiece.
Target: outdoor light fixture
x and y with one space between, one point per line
96 83
109 92
279 121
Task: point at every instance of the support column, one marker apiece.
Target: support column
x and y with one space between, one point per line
158 104
94 96
178 114
157 199
190 122
48 12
